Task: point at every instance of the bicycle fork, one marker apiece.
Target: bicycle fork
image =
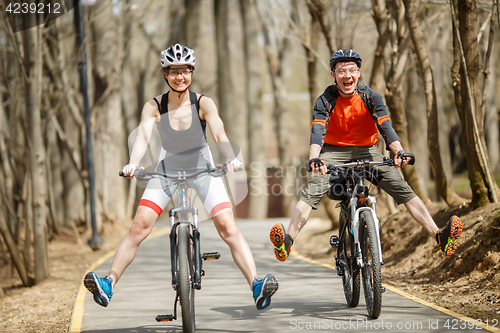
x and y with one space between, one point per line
196 244
355 227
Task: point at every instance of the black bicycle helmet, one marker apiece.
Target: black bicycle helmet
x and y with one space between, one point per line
345 55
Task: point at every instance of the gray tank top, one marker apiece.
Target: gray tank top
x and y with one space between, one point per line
185 141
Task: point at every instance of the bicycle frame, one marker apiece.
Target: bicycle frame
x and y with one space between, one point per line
359 200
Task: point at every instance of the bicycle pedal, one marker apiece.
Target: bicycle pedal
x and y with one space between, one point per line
382 289
334 241
160 318
211 255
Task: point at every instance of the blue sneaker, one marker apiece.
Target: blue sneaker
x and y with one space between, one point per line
101 288
263 290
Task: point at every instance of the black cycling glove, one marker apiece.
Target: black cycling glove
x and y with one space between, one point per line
314 163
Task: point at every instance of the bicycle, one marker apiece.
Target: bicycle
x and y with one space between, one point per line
358 243
185 255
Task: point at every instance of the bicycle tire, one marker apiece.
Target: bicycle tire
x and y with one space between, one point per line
350 278
372 279
185 274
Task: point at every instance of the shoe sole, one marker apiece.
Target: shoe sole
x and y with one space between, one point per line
455 232
269 288
93 286
277 236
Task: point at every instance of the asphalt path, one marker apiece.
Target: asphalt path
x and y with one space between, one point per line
310 297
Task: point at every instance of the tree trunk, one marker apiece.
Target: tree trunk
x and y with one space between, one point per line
257 198
492 129
6 157
395 102
277 58
317 11
394 96
417 131
444 188
108 127
378 75
318 24
377 79
465 73
224 83
14 252
69 125
37 156
192 31
312 77
192 22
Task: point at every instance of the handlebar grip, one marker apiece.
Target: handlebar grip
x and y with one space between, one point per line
120 173
411 158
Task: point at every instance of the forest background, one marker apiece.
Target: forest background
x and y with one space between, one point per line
264 62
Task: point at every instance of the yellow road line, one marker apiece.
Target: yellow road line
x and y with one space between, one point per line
75 325
411 297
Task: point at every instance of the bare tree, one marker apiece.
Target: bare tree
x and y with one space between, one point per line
465 73
492 128
381 61
442 184
108 126
394 91
224 85
33 61
277 49
257 200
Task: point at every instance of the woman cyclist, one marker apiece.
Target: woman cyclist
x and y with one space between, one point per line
181 117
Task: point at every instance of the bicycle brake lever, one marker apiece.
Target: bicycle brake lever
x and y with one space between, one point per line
387 161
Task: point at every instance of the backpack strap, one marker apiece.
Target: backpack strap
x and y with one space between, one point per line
196 102
157 103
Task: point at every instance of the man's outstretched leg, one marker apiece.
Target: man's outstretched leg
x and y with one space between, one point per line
446 237
282 240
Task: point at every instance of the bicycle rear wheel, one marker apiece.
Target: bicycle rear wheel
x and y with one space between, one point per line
185 272
372 280
347 255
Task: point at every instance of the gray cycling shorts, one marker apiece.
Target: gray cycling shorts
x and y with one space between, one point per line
389 178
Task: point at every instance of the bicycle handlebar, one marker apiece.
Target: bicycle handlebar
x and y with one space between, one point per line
218 171
366 163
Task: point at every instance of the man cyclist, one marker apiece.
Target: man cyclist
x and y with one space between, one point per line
181 117
345 122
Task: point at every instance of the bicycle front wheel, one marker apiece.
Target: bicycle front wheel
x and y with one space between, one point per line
350 275
372 279
185 273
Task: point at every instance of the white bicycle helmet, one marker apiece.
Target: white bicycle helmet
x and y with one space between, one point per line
177 55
